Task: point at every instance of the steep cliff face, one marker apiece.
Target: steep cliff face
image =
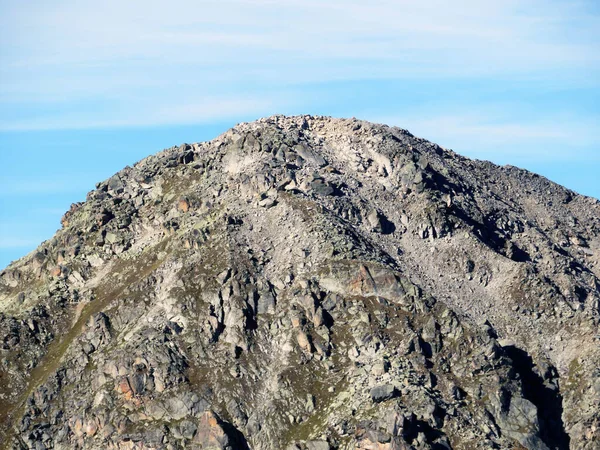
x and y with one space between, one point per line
308 283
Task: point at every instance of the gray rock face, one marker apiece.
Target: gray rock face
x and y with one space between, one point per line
383 393
308 283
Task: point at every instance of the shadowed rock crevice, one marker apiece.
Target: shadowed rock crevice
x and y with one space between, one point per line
237 439
543 391
413 427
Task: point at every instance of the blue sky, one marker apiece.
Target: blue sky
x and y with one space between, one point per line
89 87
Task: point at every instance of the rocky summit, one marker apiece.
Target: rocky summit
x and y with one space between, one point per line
308 283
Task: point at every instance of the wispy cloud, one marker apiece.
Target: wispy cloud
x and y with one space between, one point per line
119 54
483 137
148 112
221 29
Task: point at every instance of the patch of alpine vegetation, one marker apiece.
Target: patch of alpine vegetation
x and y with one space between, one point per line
308 283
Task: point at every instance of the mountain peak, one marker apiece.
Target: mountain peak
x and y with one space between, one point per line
308 283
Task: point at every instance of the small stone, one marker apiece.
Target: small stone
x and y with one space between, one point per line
320 187
304 341
267 202
183 205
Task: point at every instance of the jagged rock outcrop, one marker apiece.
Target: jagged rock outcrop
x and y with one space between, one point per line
308 283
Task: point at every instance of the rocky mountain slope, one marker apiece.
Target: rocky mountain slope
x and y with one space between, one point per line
308 283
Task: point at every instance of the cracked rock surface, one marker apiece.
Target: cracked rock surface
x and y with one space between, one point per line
308 283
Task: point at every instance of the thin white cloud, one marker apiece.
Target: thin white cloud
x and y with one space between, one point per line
483 137
165 112
138 63
501 36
